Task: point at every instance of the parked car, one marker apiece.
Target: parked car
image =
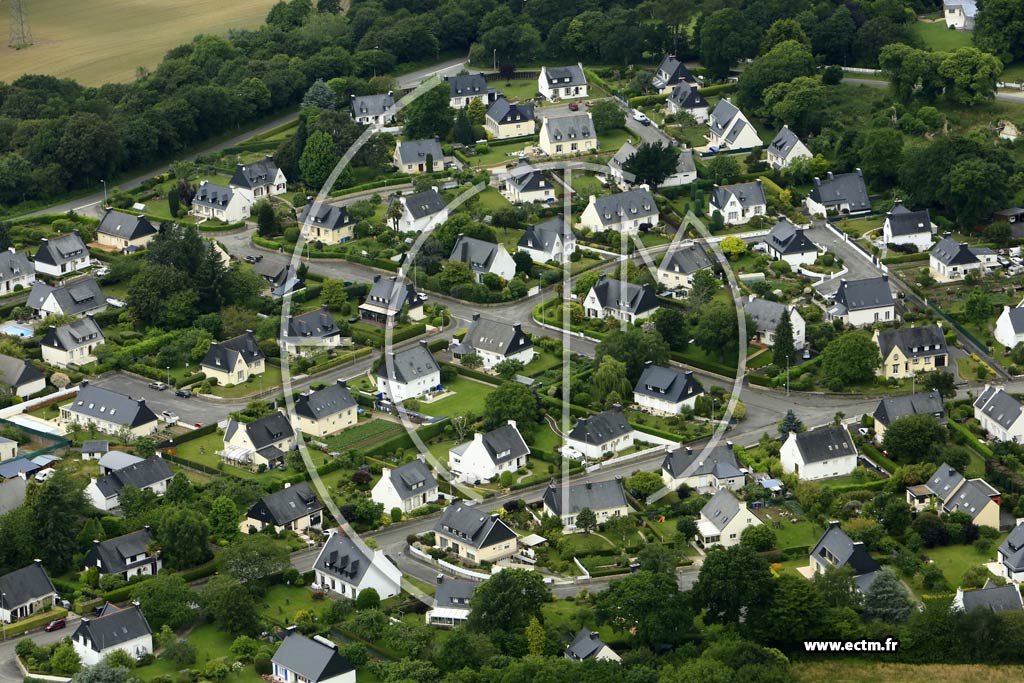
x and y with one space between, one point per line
183 393
573 106
197 425
169 417
55 625
253 258
44 475
102 271
159 386
641 117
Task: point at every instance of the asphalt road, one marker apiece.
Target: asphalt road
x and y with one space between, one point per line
1000 95
860 267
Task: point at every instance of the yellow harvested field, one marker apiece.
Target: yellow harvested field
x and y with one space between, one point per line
104 41
847 671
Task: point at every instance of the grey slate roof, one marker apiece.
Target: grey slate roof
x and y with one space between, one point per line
25 584
845 551
914 342
952 253
115 460
570 127
14 264
412 479
971 498
103 404
685 462
74 299
1012 549
425 203
256 174
486 334
721 116
95 446
475 253
995 598
313 660
409 365
73 335
502 444
839 189
474 526
748 194
785 238
330 400
686 96
892 408
687 258
316 324
999 406
784 142
57 251
213 195
222 355
502 111
825 443
596 496
527 179
467 85
454 593
721 509
323 215
585 645
615 208
416 151
857 295
766 314
263 432
1016 317
670 72
116 626
140 475
388 293
624 296
113 553
541 237
668 384
285 506
601 428
17 372
563 76
372 105
125 225
903 221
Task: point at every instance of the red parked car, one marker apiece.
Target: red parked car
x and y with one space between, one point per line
573 106
55 625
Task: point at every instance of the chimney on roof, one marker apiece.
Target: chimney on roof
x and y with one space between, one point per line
833 524
617 407
947 234
324 641
860 173
476 316
589 485
38 562
830 176
439 578
885 277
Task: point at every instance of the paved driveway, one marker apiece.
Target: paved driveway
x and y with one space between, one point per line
860 267
188 410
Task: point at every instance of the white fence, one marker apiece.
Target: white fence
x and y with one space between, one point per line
25 406
448 566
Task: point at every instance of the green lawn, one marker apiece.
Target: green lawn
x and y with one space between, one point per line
541 363
790 535
586 185
491 201
940 38
204 451
545 440
516 91
954 560
1013 73
610 141
469 398
361 435
508 236
210 643
268 380
282 602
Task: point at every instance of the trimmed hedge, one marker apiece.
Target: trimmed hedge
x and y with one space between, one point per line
339 360
874 485
190 436
205 227
983 450
709 366
644 100
907 258
721 89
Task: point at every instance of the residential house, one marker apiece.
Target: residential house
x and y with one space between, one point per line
483 258
671 73
464 88
16 271
124 629
739 203
473 535
495 341
25 592
951 260
1010 556
258 180
20 376
606 432
684 173
78 298
786 242
293 508
768 314
906 227
260 444
63 255
386 300
126 556
819 453
729 129
234 361
422 210
310 333
681 263
451 602
94 449
408 374
280 277
723 519
859 303
524 184
843 194
374 110
611 298
487 456
989 597
892 408
73 343
124 231
836 550
419 156
326 223
150 474
108 412
960 14
1010 326
786 148
310 660
949 491
220 203
908 351
327 410
704 470
562 82
551 240
111 461
1000 414
627 212
569 134
506 120
666 390
406 487
587 645
606 499
686 99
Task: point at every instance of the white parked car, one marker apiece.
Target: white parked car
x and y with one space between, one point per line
169 417
43 475
641 117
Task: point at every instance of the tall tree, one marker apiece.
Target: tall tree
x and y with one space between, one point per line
648 605
725 37
183 533
733 583
1000 29
429 115
253 559
784 348
610 378
507 601
850 359
230 604
165 600
56 511
784 62
914 438
318 159
511 401
887 600
462 130
652 163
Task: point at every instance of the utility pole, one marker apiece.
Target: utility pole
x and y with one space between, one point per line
21 33
104 193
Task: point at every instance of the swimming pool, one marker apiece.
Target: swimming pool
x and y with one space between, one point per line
15 330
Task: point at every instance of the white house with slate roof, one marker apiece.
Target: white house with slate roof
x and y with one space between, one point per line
819 454
483 258
552 240
625 212
150 474
1010 555
723 520
16 271
1000 414
94 449
960 14
859 303
451 602
524 184
786 242
989 597
588 645
1010 326
20 377
408 374
950 260
73 343
421 210
59 256
908 351
703 470
309 333
327 410
127 556
260 443
464 88
281 278
666 390
506 120
26 591
310 660
836 550
108 412
374 110
219 202
686 99
903 226
739 203
562 82
406 487
786 148
839 194
606 432
258 180
124 629
124 230
487 456
326 223
474 535
78 298
892 408
386 299
234 361
681 263
606 499
495 341
293 508
729 129
611 298
419 156
685 173
768 314
570 134
671 72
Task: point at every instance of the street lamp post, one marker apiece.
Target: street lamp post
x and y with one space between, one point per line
104 193
3 601
714 402
168 374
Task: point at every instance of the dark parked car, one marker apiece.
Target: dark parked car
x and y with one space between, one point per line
55 625
254 259
183 393
573 106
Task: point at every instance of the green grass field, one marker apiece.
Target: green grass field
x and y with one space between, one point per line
469 398
866 671
939 38
954 560
108 40
210 643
